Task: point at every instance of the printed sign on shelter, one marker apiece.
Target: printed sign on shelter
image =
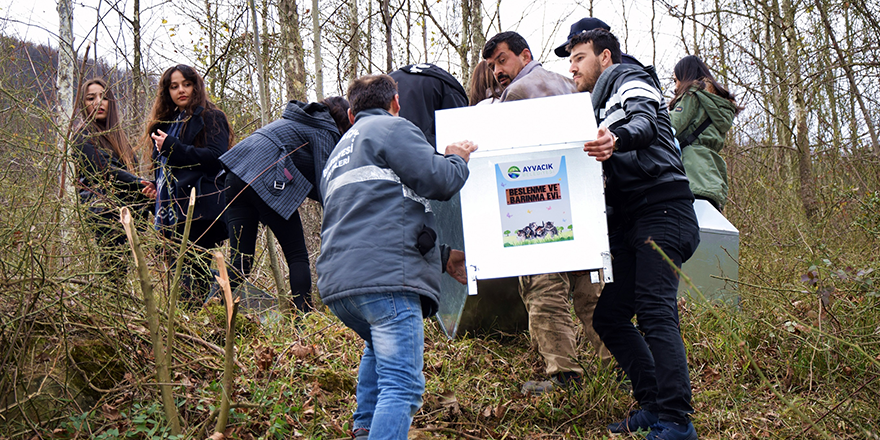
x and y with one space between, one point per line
535 202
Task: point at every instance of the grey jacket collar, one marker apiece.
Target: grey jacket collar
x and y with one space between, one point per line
525 70
598 94
371 112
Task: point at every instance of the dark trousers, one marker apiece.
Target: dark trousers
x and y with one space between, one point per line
245 212
652 356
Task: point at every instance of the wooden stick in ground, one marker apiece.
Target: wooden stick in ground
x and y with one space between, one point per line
162 372
175 283
280 284
229 366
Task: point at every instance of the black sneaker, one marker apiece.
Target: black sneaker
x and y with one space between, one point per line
672 431
360 434
641 419
558 380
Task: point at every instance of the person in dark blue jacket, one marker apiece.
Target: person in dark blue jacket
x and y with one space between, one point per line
106 167
270 173
188 134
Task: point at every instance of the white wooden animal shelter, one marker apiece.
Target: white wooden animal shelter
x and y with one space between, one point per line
534 202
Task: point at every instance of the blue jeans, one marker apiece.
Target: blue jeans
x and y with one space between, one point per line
390 378
647 287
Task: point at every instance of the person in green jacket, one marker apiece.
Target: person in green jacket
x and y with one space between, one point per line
702 111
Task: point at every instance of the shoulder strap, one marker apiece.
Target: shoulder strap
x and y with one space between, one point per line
696 133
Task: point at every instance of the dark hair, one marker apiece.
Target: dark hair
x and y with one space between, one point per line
514 41
339 111
601 40
164 107
371 91
483 84
108 134
691 71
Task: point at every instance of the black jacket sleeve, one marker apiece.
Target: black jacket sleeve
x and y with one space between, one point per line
182 152
95 163
640 103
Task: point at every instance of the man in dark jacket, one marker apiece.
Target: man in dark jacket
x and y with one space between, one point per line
424 89
650 201
380 266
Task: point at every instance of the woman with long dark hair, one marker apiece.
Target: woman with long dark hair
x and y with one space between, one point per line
106 166
702 112
270 173
187 134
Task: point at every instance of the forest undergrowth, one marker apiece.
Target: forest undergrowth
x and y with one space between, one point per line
799 357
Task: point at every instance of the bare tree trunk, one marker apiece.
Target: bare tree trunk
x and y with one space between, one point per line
854 88
354 46
408 32
386 20
66 94
478 37
684 41
780 89
807 189
369 36
212 43
625 26
292 49
694 20
319 64
137 69
425 30
280 285
465 41
722 52
653 33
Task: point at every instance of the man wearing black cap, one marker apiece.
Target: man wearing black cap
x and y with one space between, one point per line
645 208
588 24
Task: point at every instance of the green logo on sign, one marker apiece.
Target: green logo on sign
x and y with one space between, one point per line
513 172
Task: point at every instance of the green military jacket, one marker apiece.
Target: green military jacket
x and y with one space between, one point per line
705 168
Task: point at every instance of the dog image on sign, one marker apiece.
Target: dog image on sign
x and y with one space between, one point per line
534 201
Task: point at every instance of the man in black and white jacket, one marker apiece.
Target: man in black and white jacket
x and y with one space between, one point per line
649 199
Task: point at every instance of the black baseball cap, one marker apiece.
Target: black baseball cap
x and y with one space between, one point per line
582 25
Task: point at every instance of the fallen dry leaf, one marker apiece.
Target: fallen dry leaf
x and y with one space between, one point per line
265 357
109 412
301 351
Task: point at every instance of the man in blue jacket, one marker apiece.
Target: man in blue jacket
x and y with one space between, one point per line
648 197
380 265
